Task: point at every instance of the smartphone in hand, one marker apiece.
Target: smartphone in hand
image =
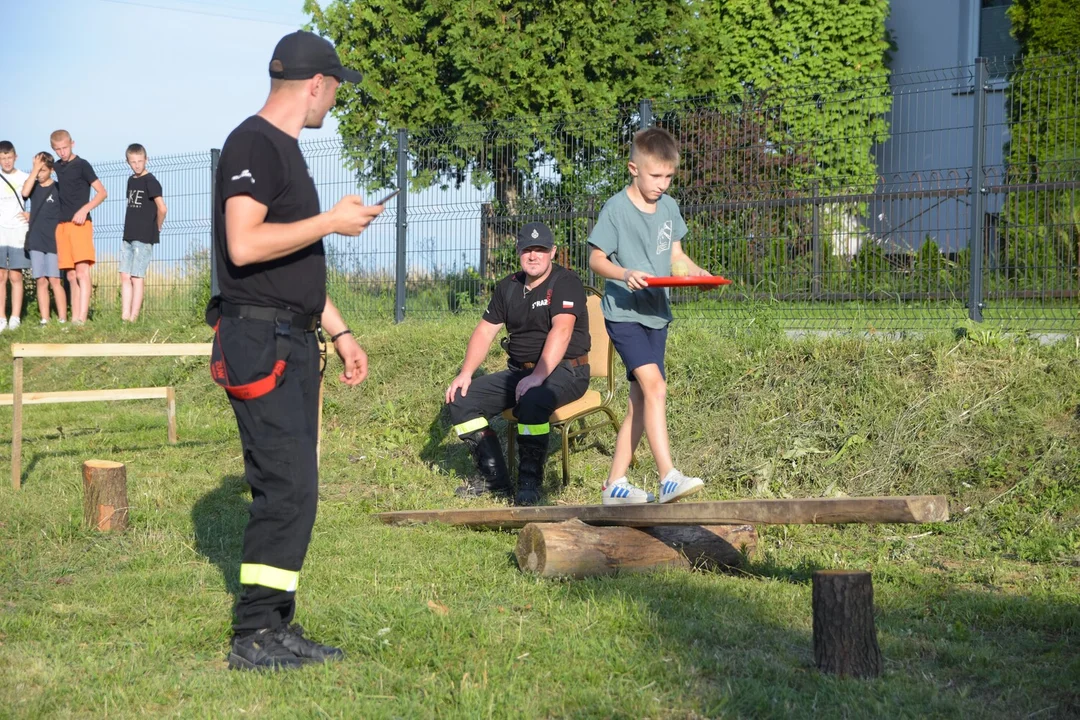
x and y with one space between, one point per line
389 197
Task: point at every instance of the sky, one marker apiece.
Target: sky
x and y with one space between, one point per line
174 75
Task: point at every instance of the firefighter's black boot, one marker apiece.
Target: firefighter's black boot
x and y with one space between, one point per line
490 464
532 455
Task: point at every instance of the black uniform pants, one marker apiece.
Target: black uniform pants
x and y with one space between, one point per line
279 435
489 395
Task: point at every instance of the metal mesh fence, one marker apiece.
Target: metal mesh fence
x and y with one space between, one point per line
918 203
178 279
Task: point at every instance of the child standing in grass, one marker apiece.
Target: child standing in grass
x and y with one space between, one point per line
142 231
75 232
637 236
13 219
41 239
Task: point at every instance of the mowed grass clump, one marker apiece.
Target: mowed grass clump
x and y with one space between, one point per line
975 616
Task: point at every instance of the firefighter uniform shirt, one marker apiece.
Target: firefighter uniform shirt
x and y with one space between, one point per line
265 163
527 314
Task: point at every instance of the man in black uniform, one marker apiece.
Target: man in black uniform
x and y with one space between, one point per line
543 309
272 274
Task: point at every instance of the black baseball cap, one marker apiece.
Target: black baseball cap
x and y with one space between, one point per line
302 55
534 234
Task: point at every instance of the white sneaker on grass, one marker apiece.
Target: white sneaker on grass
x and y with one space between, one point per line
675 486
3 324
13 323
621 492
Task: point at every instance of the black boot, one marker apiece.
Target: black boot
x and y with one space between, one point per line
493 475
532 455
309 651
262 650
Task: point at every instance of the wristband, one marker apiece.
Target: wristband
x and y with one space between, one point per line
334 338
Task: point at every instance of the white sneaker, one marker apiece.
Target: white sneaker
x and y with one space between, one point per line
3 324
675 485
43 323
621 492
13 323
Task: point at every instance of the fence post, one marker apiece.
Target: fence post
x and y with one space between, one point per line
815 238
590 223
978 194
645 113
215 156
402 224
487 238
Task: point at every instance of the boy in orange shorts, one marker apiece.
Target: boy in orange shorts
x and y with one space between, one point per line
75 233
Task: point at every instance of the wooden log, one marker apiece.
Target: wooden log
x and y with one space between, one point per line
902 509
576 550
845 640
105 503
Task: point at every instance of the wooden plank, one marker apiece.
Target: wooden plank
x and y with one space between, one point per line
808 511
72 396
109 349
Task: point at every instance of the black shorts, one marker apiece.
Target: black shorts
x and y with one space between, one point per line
638 345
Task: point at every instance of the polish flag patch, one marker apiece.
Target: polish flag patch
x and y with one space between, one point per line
567 304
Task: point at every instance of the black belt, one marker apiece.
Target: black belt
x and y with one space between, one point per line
573 362
308 323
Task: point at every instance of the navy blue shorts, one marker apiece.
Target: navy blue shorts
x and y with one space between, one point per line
638 345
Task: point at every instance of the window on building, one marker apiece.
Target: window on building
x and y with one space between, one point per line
995 42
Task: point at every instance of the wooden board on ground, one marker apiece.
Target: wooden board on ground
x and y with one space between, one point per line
575 550
806 511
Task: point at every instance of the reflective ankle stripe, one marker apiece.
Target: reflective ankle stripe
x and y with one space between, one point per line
541 429
270 577
470 426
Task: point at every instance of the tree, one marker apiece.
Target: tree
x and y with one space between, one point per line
1043 226
726 158
477 82
538 98
822 65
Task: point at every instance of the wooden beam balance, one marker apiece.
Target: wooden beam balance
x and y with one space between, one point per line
806 511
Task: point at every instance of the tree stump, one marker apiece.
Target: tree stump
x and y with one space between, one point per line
105 503
845 640
576 550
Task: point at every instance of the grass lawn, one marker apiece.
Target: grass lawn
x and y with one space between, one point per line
979 616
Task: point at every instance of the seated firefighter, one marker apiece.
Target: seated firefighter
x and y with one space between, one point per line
543 309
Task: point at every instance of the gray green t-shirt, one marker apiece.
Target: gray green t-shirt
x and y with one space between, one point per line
638 240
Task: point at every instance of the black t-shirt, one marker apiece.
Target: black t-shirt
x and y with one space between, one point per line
527 315
44 216
260 160
74 178
140 222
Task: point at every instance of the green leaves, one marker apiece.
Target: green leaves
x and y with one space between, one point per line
450 71
1043 102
